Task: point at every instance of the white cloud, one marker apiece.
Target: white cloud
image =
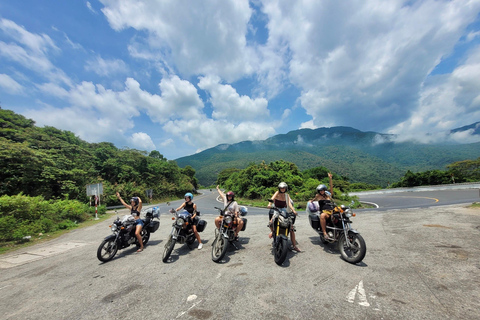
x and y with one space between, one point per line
141 141
198 37
363 64
229 105
30 51
89 6
447 102
106 68
10 85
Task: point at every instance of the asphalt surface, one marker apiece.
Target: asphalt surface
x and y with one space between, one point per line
421 263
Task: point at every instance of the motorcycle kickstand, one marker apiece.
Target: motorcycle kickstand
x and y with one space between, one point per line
233 243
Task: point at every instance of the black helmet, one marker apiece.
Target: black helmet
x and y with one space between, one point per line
135 200
321 187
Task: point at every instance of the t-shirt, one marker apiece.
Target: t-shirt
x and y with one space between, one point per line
233 206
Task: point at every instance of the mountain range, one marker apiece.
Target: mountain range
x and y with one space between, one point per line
368 157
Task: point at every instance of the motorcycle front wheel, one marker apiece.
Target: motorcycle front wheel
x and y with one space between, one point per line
356 252
280 251
168 248
219 247
107 250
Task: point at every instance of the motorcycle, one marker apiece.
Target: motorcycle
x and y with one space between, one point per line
124 234
226 233
351 244
182 232
282 224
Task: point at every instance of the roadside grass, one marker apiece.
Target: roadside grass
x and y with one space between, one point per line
10 246
475 205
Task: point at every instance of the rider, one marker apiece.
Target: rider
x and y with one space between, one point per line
135 207
324 199
193 219
281 200
230 204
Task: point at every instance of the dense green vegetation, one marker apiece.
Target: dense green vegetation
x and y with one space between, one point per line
44 173
55 164
260 181
458 172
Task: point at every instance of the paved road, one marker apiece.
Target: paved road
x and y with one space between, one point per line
421 197
420 264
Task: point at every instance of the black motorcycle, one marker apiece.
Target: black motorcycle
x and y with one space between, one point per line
226 233
182 231
124 234
351 244
282 224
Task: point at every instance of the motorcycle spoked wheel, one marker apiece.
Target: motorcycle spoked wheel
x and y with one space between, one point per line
107 250
356 252
168 248
219 248
280 251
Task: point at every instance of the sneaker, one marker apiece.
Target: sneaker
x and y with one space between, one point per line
200 246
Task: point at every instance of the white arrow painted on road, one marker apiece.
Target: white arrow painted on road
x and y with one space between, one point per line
362 297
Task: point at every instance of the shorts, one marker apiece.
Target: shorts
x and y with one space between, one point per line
193 221
139 222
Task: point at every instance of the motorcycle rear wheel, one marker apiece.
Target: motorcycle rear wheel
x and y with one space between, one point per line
145 236
219 248
280 251
107 250
168 248
357 252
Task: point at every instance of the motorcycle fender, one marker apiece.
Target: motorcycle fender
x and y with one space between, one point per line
353 231
110 237
282 236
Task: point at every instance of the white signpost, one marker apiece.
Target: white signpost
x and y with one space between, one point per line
95 190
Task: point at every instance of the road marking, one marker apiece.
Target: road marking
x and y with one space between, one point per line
190 298
362 297
436 200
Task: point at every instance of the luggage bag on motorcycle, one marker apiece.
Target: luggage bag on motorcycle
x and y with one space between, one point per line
153 226
244 224
314 221
201 225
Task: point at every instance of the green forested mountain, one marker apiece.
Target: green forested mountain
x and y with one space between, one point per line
55 164
368 157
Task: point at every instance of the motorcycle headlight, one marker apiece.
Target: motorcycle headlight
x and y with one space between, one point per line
180 221
348 213
283 222
228 219
114 227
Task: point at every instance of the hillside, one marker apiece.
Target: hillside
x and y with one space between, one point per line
347 151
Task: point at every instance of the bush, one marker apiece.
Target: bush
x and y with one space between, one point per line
22 216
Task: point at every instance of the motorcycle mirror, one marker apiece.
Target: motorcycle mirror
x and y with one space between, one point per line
270 200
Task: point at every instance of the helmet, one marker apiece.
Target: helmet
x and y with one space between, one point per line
188 194
230 193
283 185
312 207
243 211
135 200
321 187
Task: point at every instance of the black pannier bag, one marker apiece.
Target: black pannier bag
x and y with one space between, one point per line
201 225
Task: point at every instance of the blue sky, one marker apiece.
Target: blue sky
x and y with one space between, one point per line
183 76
